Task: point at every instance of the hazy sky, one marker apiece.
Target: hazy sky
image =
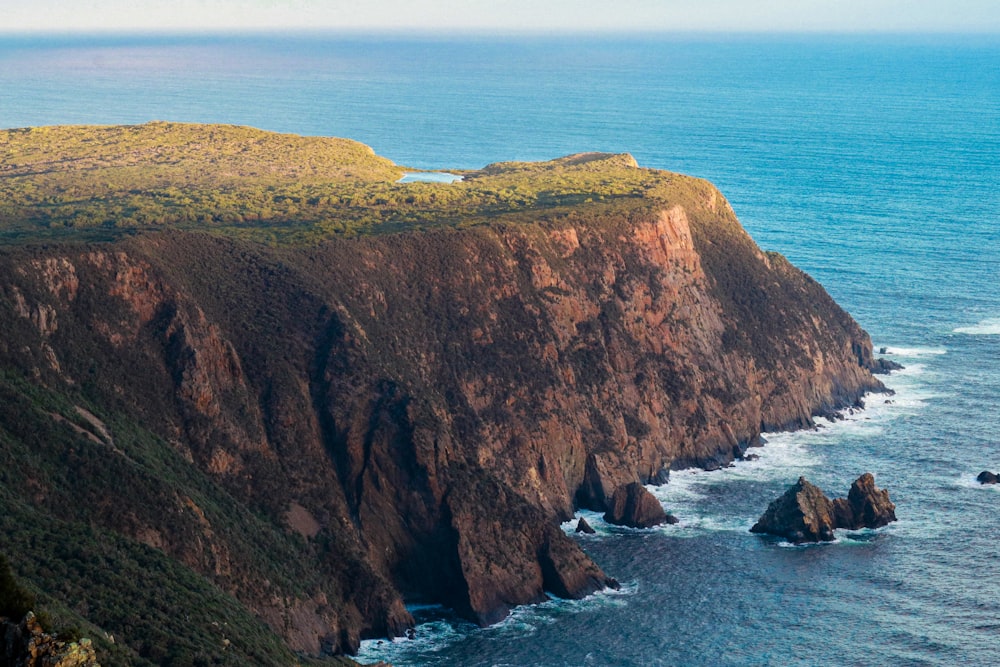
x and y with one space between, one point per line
506 15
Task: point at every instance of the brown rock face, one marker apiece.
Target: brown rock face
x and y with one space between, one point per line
866 506
420 410
632 505
802 514
805 514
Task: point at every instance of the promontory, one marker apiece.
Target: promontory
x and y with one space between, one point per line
256 395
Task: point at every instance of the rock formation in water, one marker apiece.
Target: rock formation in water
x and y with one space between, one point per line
866 506
634 506
804 513
321 425
987 477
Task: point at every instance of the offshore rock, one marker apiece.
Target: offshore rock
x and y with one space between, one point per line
805 514
583 527
802 514
885 366
866 506
987 477
634 506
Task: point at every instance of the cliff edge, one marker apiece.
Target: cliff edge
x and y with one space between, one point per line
401 392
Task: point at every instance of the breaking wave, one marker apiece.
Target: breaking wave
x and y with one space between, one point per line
987 327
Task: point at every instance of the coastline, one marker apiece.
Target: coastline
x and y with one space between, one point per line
783 457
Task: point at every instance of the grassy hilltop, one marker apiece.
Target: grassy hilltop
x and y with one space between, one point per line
102 181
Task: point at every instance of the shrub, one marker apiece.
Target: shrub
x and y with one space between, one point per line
15 600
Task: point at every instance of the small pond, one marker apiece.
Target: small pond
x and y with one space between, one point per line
429 177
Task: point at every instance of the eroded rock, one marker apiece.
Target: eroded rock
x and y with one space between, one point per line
805 514
801 514
866 506
604 473
987 477
885 366
632 505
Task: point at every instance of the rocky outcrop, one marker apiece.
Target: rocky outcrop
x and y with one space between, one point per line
634 506
885 366
583 527
416 412
605 473
866 506
26 644
802 514
987 477
805 514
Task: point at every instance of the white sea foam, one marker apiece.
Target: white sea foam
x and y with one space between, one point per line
911 352
523 621
843 538
431 637
987 327
912 392
692 524
527 618
969 481
784 544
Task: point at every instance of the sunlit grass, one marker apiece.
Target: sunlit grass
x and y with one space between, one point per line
56 182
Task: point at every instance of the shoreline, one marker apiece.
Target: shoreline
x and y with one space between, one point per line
777 456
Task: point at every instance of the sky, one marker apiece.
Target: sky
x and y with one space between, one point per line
977 16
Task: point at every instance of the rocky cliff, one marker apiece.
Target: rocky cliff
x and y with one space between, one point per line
409 415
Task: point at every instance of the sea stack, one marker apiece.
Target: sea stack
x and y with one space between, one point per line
805 514
633 506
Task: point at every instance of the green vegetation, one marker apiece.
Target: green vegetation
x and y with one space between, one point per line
15 600
61 491
96 182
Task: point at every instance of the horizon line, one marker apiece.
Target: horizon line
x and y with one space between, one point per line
482 31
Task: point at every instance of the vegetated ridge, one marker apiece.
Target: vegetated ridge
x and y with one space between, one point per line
254 393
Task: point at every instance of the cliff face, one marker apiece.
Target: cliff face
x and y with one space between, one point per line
430 405
412 414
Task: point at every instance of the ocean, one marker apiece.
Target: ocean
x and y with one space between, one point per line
871 162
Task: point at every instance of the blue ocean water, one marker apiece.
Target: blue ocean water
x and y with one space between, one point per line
871 162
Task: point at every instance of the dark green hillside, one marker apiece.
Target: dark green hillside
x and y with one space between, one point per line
69 498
